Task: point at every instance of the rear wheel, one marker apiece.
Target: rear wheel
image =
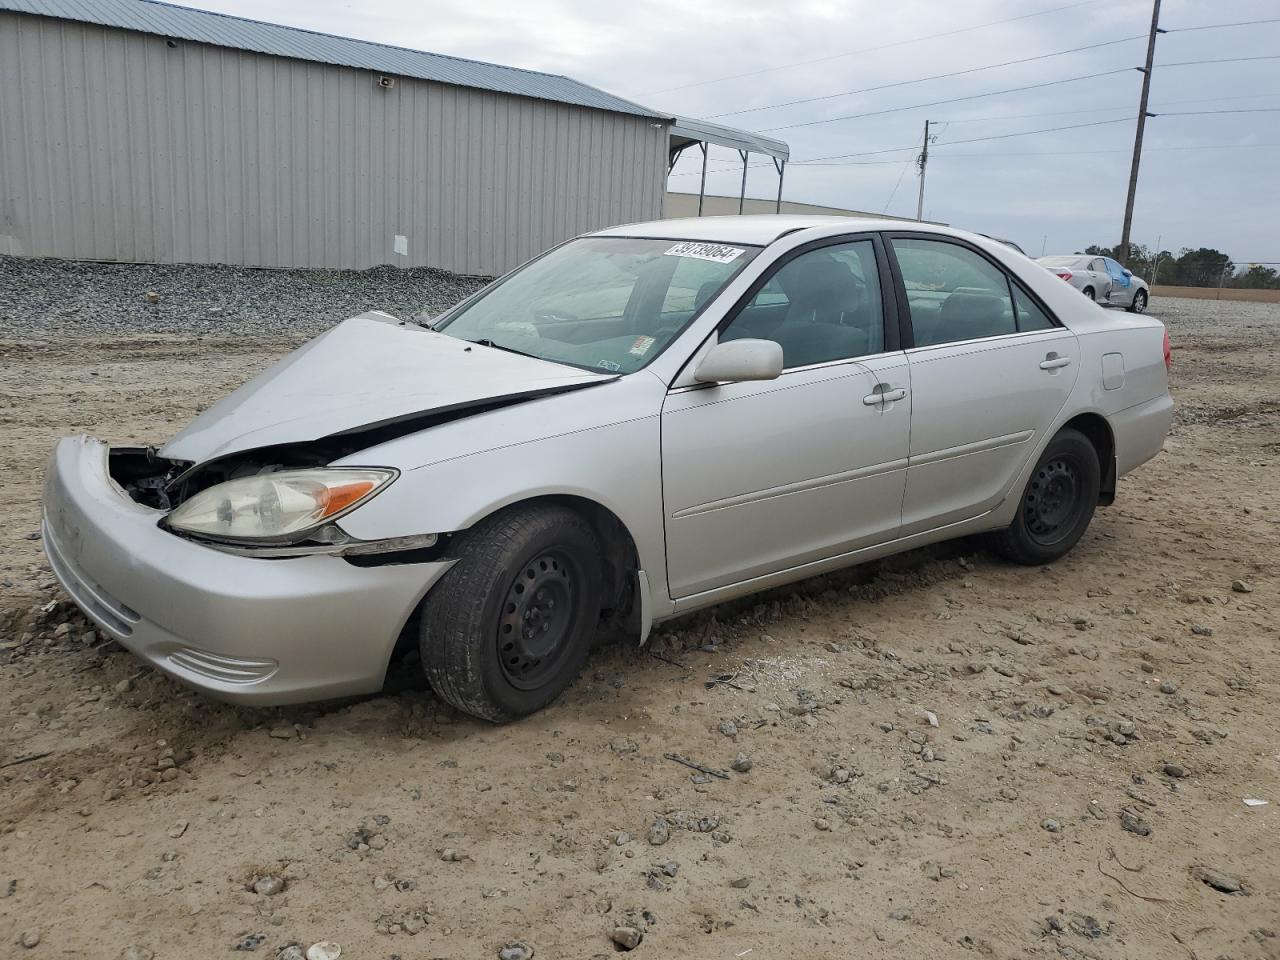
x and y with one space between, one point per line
1057 503
1088 292
1139 302
509 626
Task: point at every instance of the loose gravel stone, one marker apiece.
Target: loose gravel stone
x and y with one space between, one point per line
1241 586
516 950
1168 686
741 763
324 950
1220 881
1053 826
111 298
291 952
1175 771
626 937
659 832
31 939
268 886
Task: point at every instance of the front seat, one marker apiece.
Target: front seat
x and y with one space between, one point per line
823 293
970 315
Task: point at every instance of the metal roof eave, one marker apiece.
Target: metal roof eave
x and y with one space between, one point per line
219 29
686 131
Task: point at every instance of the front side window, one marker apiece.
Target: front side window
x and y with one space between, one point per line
602 303
953 293
821 306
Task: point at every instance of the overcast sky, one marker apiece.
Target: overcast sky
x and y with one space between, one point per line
1206 180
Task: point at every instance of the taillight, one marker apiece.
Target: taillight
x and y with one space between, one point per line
1168 352
1064 274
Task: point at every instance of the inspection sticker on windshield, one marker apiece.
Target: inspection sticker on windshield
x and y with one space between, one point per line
640 346
715 252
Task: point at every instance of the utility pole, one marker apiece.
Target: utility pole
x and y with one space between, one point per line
1137 138
924 162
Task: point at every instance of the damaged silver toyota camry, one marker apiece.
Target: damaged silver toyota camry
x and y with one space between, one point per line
638 423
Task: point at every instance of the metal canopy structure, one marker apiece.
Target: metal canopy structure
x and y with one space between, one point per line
686 132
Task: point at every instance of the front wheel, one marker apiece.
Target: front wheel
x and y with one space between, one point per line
508 628
1057 503
1139 302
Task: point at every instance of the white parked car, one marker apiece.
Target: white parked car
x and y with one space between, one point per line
639 423
1102 280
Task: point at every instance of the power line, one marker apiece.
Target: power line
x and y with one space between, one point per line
1193 63
1219 26
995 93
935 103
989 155
883 46
999 136
936 76
1206 113
1093 110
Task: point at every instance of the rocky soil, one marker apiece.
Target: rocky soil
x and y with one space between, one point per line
935 756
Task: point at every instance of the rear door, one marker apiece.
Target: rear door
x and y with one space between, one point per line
990 370
763 476
1121 284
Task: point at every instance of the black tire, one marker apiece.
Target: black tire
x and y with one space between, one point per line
494 642
1057 503
1088 292
1139 302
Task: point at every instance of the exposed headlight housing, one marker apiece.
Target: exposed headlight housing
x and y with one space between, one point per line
280 507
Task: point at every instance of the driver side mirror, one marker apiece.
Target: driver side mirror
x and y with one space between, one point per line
734 361
1128 273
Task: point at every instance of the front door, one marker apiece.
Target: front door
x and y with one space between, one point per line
990 370
760 477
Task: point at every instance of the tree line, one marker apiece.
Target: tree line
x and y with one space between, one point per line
1202 267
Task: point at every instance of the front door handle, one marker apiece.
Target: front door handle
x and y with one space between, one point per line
1054 362
884 394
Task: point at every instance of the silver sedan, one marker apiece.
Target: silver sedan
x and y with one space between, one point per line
640 423
1102 280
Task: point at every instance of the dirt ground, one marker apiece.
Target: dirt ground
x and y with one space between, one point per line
1100 724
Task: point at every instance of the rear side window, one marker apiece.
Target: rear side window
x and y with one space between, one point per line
953 294
1030 316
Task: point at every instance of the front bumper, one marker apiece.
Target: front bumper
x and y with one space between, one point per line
244 629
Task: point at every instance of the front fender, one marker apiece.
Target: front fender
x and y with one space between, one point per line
617 466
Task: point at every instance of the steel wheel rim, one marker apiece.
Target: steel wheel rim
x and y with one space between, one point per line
1053 500
537 620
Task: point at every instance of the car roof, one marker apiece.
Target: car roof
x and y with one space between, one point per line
758 229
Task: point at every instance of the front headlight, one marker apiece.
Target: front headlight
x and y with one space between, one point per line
277 506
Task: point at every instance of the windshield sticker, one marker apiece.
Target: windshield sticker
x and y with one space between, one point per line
609 365
715 252
641 346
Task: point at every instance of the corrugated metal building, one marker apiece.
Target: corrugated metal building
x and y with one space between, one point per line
139 131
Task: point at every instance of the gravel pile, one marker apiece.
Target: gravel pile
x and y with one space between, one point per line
64 297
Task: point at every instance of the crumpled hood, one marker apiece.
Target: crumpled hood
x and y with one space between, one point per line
366 371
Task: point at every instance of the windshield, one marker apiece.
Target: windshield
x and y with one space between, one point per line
603 303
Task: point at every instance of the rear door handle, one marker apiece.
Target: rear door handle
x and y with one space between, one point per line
884 394
1053 362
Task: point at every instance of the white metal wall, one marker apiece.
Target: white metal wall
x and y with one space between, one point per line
115 146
